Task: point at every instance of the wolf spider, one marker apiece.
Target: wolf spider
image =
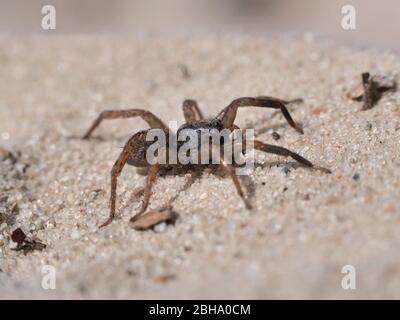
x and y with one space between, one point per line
134 151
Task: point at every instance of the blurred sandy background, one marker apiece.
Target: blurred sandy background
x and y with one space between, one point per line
378 22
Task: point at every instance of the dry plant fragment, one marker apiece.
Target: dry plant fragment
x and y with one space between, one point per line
152 218
371 89
24 243
371 94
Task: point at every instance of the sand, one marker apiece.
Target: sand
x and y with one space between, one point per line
305 225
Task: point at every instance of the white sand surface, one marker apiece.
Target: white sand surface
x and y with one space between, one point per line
305 225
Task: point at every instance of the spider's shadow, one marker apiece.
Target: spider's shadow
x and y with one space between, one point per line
263 120
264 128
197 172
287 164
98 138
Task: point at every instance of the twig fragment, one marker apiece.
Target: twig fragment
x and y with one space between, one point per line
152 218
24 243
371 89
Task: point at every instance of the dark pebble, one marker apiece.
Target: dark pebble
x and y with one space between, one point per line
286 170
275 135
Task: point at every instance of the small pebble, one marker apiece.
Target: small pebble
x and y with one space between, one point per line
5 135
4 153
203 196
70 198
275 135
353 160
75 234
318 110
161 227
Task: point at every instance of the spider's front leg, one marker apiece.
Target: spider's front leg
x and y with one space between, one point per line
228 115
133 146
115 172
152 120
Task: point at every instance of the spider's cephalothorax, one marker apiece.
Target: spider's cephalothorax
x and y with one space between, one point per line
135 150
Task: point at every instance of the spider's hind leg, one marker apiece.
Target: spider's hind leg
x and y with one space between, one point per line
258 145
228 115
